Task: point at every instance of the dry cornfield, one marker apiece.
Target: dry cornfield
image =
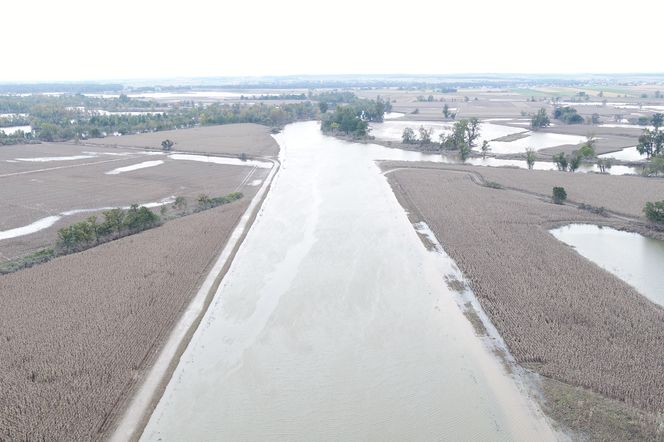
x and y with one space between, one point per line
559 313
76 333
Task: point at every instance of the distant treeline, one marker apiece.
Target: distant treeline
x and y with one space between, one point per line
69 88
74 117
274 97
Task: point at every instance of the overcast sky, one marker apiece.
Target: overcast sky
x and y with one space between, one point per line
92 40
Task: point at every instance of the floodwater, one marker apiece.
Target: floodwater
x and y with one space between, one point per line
143 165
334 323
626 154
221 160
13 129
633 258
46 222
393 130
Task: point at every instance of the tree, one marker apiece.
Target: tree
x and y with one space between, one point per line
559 195
655 211
425 135
567 115
485 148
530 158
561 161
656 166
464 151
322 106
472 131
114 220
446 111
180 203
540 119
651 142
408 136
587 150
657 120
167 145
204 201
604 164
574 162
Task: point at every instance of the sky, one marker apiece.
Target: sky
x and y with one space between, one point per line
73 40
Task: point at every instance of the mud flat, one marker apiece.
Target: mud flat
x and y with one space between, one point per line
315 333
596 341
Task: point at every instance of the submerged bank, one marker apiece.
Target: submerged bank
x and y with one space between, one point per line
316 332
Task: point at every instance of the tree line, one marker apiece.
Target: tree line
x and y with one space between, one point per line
76 117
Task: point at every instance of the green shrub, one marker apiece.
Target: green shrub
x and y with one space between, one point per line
655 211
559 195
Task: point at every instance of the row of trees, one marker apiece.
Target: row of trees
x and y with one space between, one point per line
463 138
573 161
117 223
205 202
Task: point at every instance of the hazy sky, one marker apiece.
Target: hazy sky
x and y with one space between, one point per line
87 39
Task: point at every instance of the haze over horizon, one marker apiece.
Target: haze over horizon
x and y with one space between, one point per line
138 40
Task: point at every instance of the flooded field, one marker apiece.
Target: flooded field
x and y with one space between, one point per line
13 129
632 257
314 334
626 154
393 130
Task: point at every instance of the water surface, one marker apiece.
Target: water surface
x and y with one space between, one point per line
637 260
334 323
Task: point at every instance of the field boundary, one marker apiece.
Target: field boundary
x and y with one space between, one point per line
136 415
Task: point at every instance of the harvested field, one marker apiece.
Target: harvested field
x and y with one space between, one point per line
560 314
626 195
231 139
50 189
78 332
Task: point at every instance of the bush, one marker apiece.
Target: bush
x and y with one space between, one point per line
559 195
655 211
493 185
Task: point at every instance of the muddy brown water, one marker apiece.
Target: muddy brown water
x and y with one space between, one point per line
334 322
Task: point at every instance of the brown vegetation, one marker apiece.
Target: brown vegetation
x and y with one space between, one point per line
559 314
231 139
624 195
27 198
77 332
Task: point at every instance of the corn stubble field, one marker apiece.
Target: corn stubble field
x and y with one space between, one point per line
559 314
76 332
